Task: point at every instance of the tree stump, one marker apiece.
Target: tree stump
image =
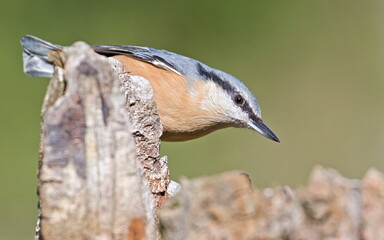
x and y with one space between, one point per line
100 174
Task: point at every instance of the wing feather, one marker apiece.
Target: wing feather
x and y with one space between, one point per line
142 53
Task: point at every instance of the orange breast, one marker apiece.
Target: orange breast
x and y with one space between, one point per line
179 110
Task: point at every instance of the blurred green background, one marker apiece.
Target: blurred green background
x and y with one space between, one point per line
316 68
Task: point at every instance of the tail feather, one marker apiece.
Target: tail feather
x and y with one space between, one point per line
35 56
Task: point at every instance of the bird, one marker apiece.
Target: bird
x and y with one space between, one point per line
192 98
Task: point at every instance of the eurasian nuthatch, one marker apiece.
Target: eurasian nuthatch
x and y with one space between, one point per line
192 99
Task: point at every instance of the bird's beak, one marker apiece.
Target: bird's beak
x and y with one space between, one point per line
261 128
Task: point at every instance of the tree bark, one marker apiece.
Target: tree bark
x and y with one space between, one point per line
100 174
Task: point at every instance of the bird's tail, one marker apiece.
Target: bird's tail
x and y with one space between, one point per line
35 56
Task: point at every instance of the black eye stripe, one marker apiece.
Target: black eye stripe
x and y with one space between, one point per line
247 108
210 75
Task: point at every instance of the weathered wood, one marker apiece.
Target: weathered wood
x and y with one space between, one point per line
227 207
91 184
146 130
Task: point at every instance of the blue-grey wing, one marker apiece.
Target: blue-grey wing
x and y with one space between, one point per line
160 58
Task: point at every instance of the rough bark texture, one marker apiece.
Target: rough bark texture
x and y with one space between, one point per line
91 184
329 207
146 130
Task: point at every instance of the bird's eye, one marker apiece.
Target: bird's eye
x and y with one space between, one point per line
238 99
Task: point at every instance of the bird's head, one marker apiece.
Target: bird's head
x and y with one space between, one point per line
232 102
